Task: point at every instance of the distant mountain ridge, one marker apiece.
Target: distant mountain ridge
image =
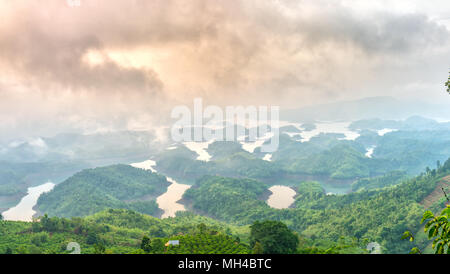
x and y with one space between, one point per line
383 107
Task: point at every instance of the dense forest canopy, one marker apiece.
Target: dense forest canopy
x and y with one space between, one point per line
93 190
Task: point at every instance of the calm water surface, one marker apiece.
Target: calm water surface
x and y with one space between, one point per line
167 201
281 197
23 211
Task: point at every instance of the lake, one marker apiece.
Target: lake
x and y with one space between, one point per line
23 211
322 127
200 148
384 131
281 197
369 151
267 157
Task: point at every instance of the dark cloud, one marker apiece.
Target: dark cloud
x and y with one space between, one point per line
236 51
48 58
45 41
381 33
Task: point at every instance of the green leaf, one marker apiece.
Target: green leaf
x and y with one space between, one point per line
435 241
440 249
407 234
446 211
414 250
427 225
431 232
427 215
442 219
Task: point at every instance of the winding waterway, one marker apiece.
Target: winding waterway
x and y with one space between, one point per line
167 202
23 211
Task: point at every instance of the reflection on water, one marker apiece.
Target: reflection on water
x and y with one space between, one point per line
23 211
282 197
167 201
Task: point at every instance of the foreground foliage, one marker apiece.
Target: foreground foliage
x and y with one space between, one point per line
124 231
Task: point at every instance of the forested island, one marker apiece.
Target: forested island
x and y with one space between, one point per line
317 223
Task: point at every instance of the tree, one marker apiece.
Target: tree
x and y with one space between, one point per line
274 236
22 249
156 231
146 244
258 249
447 84
202 228
92 238
99 248
438 228
237 239
36 226
34 250
157 245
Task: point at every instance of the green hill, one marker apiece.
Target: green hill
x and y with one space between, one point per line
93 190
380 215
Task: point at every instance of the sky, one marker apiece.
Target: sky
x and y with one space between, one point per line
106 64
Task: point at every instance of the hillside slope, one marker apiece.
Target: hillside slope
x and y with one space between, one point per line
93 190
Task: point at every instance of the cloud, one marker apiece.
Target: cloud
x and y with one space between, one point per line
109 62
47 53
